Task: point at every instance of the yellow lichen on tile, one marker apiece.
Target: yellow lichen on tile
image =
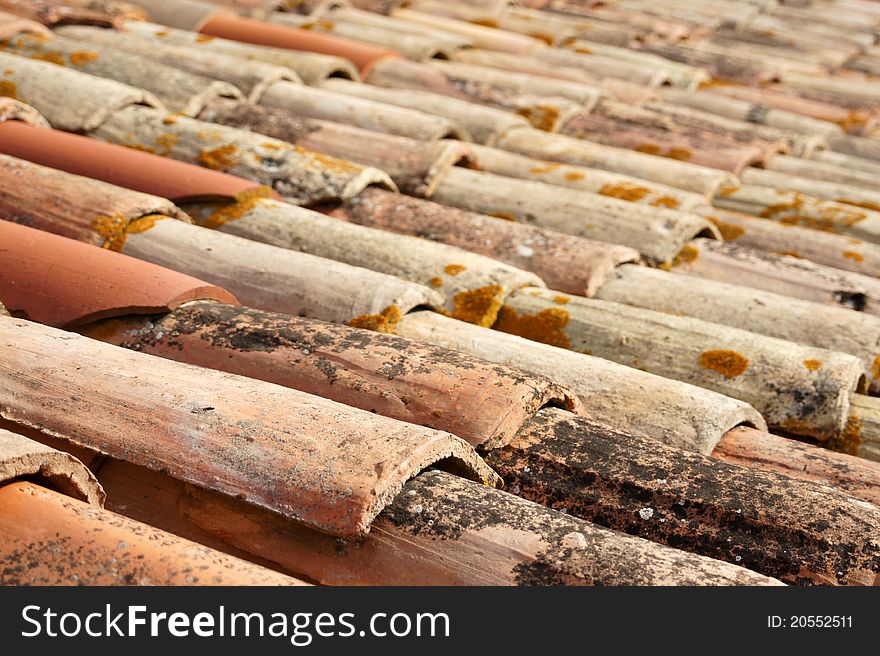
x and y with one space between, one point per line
728 231
813 365
384 322
477 306
243 203
849 440
546 326
729 364
625 191
82 57
9 89
454 269
167 142
541 116
219 159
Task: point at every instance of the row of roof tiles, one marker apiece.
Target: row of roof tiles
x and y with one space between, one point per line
792 365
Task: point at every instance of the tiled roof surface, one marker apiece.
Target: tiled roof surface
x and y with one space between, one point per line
421 292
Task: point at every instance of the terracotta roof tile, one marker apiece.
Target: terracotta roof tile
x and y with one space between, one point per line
415 167
855 476
125 167
802 526
312 67
252 78
658 233
640 124
396 36
59 12
483 124
91 100
22 458
348 464
15 111
483 403
11 25
782 274
75 544
86 283
565 262
299 175
76 207
179 91
631 400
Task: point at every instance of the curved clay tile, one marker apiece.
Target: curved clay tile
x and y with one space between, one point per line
280 280
703 149
808 168
312 67
74 206
484 37
63 12
299 175
761 312
483 124
657 233
124 167
743 110
417 47
483 403
415 167
628 399
852 121
819 246
472 285
187 15
853 475
179 90
13 110
556 29
624 90
61 282
741 130
77 544
717 61
680 75
619 69
310 102
11 25
314 461
810 534
440 529
517 96
560 148
763 198
782 274
23 458
89 100
823 189
567 263
250 77
469 535
636 190
364 56
779 378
